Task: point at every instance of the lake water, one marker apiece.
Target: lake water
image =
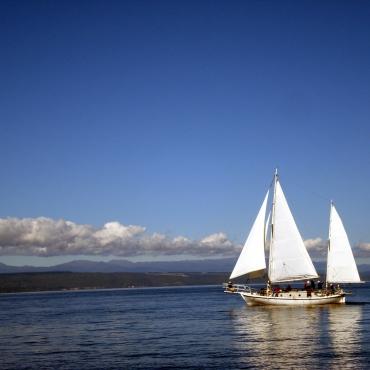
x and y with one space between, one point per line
190 327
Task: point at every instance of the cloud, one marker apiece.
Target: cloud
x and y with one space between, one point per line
362 250
47 237
316 247
364 247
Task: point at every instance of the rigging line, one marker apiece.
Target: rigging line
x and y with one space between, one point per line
273 178
303 188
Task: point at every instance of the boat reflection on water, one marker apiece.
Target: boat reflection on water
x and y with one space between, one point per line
345 324
297 337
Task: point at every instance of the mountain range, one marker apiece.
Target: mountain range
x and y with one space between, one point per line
206 265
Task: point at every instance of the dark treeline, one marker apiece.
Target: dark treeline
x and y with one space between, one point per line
47 281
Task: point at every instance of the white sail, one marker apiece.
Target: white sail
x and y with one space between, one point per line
252 258
341 266
267 228
289 260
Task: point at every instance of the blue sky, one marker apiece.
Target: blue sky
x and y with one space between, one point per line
172 115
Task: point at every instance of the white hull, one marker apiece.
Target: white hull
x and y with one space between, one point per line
298 298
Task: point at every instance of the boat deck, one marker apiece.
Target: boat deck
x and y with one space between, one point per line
283 293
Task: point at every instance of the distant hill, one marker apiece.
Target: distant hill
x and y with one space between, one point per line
207 265
115 266
52 281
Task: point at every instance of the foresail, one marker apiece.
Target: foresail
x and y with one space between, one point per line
289 260
252 257
341 263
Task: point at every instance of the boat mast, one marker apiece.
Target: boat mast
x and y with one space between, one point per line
329 237
272 224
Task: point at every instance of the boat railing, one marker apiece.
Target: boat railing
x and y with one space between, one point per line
238 288
243 288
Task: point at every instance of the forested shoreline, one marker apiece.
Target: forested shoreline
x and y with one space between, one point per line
54 281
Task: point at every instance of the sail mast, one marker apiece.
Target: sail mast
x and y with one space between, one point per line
272 223
329 237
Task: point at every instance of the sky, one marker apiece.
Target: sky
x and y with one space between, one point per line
151 129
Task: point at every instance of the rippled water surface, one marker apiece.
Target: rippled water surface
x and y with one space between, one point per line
192 327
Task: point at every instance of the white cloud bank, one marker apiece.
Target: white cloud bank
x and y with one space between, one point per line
318 248
46 237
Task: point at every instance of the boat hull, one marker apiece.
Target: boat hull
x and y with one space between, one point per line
295 299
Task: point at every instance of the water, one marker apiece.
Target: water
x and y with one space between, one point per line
193 327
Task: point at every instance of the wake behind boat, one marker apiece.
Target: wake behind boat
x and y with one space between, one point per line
289 260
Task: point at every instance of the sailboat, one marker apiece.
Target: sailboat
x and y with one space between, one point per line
289 260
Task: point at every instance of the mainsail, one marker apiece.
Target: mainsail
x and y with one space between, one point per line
341 266
289 260
252 258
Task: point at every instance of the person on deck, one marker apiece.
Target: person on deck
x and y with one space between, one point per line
307 285
276 290
312 283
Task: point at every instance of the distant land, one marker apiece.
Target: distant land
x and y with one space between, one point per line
206 265
54 281
78 275
86 274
